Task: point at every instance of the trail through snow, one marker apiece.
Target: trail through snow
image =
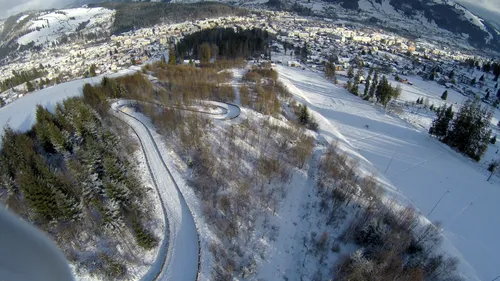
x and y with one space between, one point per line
181 262
178 256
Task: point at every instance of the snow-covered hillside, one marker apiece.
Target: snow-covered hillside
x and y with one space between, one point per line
48 27
432 15
413 167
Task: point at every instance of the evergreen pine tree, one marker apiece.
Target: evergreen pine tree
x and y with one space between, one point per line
493 140
304 52
374 84
482 78
330 70
444 96
355 89
473 81
470 131
441 124
487 96
112 217
350 72
383 91
367 87
29 86
432 76
303 115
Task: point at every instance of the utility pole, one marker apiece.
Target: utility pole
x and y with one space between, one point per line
438 202
390 162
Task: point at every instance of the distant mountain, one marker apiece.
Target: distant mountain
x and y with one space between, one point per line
442 20
51 27
444 14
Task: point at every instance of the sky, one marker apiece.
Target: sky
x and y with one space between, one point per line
487 9
11 7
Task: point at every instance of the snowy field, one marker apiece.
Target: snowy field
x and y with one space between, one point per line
57 23
412 166
21 114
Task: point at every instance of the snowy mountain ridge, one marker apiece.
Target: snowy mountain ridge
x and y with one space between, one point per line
443 20
53 26
426 17
440 20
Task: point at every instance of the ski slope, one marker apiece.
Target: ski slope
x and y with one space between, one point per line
412 167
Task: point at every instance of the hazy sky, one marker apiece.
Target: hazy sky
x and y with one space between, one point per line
10 7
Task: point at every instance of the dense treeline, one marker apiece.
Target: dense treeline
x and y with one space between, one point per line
469 132
70 176
22 77
130 16
225 43
296 7
186 84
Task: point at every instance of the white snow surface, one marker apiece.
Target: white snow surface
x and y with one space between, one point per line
55 24
182 255
21 18
21 114
412 167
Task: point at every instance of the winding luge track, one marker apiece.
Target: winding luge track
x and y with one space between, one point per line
179 256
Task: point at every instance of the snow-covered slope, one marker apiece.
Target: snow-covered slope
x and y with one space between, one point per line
443 20
47 27
20 115
427 16
413 167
